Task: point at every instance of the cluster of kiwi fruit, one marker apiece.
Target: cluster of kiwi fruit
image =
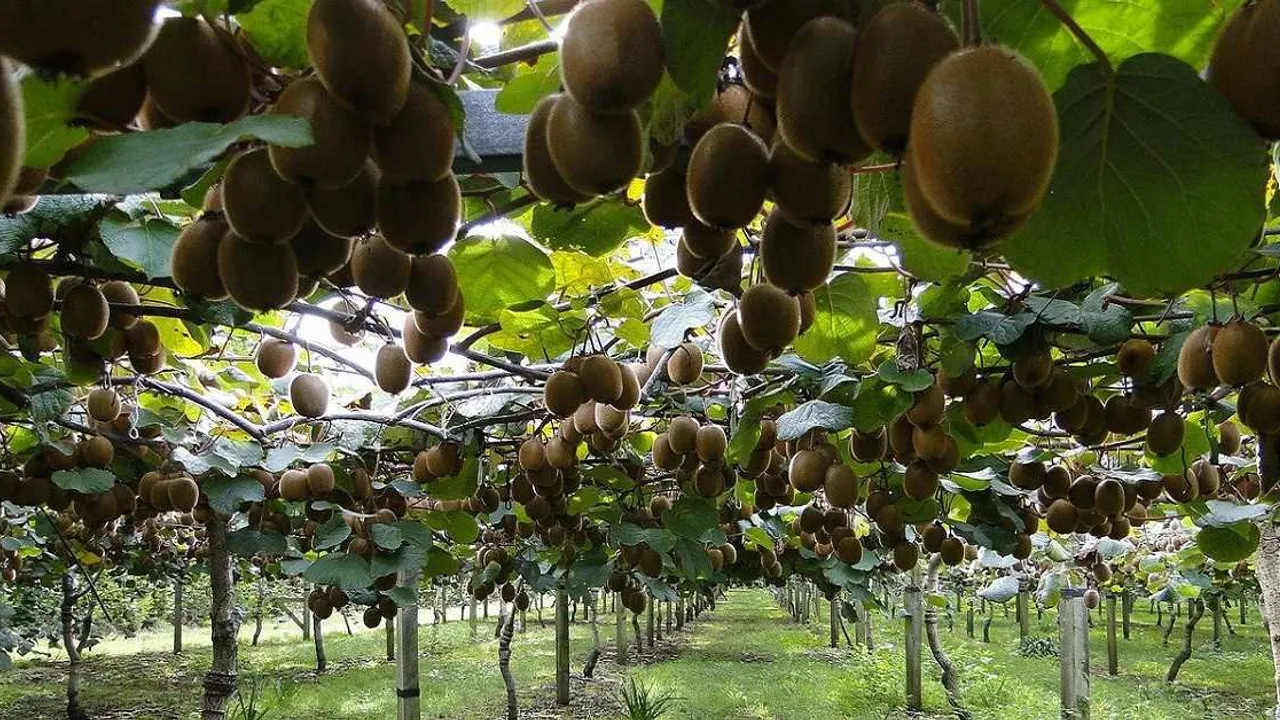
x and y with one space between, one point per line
1078 503
548 475
494 561
588 140
696 453
34 486
765 322
168 492
594 394
1246 64
444 459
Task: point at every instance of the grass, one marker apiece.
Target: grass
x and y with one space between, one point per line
746 659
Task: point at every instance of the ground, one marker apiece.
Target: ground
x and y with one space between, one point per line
745 659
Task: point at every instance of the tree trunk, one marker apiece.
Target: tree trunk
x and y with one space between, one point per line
968 620
666 616
257 613
220 681
306 618
179 616
680 612
950 680
1268 573
593 657
508 621
391 640
1195 609
1113 652
472 617
619 630
1126 611
68 618
1173 617
317 632
562 645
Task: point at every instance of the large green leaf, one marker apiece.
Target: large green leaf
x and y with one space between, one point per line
1158 184
499 272
695 34
531 84
920 257
227 494
845 323
49 107
145 244
331 533
690 517
86 480
480 10
1229 544
144 161
54 216
814 415
540 333
247 542
350 572
596 228
278 31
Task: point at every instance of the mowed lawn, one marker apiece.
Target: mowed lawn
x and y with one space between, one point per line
745 659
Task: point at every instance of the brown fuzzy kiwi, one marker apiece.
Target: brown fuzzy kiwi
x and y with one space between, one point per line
349 210
417 146
905 555
533 454
1228 438
564 393
1164 434
421 348
184 494
630 395
276 358
1245 65
151 117
772 26
919 482
119 292
738 354
807 193
982 403
293 485
342 140
993 160
379 269
1122 416
419 217
707 242
1033 371
147 364
685 365
1135 357
711 443
815 83
728 176
897 47
309 395
433 284
612 57
612 421
594 154
1061 516
540 170
1109 497
959 236
666 201
444 459
1208 477
601 378
841 486
1182 487
1239 352
1195 359
259 205
195 253
319 253
320 480
682 435
770 318
103 404
927 407
900 440
112 101
28 291
96 451
929 441
257 277
1057 481
53 36
584 418
807 470
85 312
1083 492
360 53
734 104
444 324
350 330
193 73
1016 404
757 76
796 259
392 369
143 339
951 551
868 446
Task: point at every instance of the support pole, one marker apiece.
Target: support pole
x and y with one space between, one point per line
913 626
178 616
1113 652
562 645
620 629
408 700
391 639
1074 642
1024 615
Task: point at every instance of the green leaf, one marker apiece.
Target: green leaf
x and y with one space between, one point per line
815 414
744 440
438 561
247 542
280 458
144 244
350 572
759 537
844 325
406 558
913 381
597 228
85 480
690 517
921 258
996 327
540 333
332 533
1106 326
1153 162
500 272
58 216
459 525
414 533
692 560
877 403
49 107
668 330
278 31
531 84
480 10
154 160
695 34
385 536
227 494
1229 544
50 404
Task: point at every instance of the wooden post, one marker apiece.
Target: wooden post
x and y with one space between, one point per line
391 639
562 645
650 621
680 612
1113 652
178 616
620 629
666 616
913 626
1216 600
306 618
968 620
408 692
1074 643
1126 611
472 617
220 681
1024 615
834 619
317 632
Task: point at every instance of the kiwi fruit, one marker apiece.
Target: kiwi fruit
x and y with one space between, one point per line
112 101
1208 478
919 482
433 284
982 403
1016 404
733 103
1239 352
612 57
840 485
564 393
150 117
897 47
1109 497
532 455
417 146
1182 487
360 53
769 318
815 83
706 242
1195 359
1262 413
419 217
1061 516
349 210
1135 357
610 420
796 259
682 435
738 354
630 395
379 269
147 364
666 202
276 358
309 395
594 154
392 370
103 404
771 26
1245 64
320 480
868 446
85 312
758 77
419 347
53 35
601 378
259 205
927 407
1033 371
807 470
561 454
957 236
540 170
951 550
807 193
342 140
684 367
905 555
319 253
711 443
444 324
984 136
143 338
28 291
728 176
929 441
1228 438
96 451
195 253
194 74
1164 434
256 276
